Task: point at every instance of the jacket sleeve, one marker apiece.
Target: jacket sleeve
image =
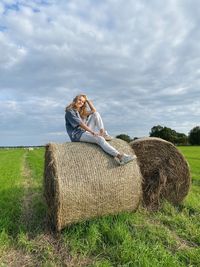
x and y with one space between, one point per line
73 118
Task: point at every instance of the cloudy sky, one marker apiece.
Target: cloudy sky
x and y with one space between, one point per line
138 61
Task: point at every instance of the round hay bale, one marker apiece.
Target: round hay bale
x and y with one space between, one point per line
81 181
165 171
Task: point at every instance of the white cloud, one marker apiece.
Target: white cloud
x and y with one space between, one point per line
138 61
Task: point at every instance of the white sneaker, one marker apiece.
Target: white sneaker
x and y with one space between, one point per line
107 137
125 159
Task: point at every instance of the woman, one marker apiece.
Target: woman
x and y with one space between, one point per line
81 126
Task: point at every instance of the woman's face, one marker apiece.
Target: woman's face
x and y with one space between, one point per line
80 102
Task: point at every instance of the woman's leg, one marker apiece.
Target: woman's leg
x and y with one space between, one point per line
88 137
95 121
121 158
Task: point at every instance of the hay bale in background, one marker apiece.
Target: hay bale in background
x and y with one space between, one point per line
81 181
165 171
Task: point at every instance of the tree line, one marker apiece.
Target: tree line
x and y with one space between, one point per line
168 134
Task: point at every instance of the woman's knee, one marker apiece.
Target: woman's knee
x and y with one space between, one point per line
100 140
95 114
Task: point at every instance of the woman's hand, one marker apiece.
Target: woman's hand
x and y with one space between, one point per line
90 104
86 98
85 127
95 134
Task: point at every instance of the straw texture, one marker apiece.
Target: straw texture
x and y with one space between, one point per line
165 171
81 181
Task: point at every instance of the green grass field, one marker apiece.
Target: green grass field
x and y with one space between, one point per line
169 237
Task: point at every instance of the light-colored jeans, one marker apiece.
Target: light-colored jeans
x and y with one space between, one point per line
95 122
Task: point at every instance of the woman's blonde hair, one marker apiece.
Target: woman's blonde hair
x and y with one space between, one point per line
83 110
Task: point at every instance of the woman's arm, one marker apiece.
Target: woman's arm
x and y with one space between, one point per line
85 127
90 104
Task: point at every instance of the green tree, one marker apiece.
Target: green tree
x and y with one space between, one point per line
182 139
194 136
156 131
124 137
169 135
164 133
